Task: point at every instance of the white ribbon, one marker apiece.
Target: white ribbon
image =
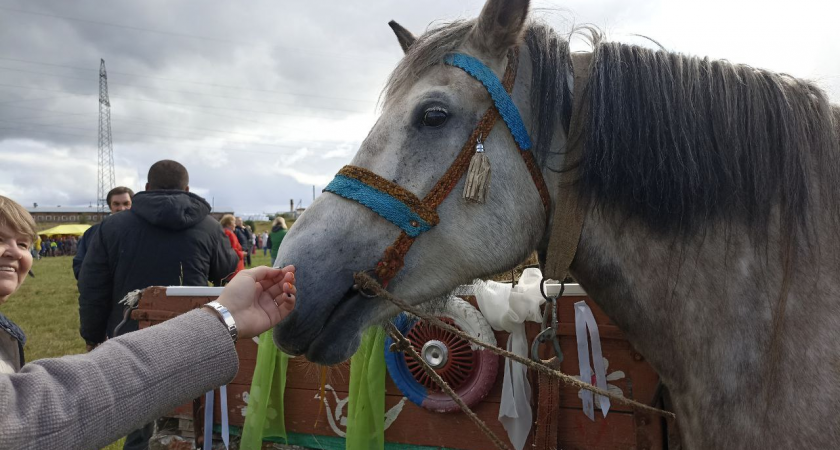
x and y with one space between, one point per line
208 420
506 309
225 427
209 400
583 320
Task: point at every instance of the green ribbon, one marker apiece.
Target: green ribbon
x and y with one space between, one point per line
366 405
264 417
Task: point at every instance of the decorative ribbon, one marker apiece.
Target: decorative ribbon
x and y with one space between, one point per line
264 416
366 402
583 320
225 427
209 400
507 308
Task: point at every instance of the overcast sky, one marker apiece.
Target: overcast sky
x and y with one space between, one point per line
262 99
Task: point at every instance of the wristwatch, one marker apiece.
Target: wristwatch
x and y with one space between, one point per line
226 317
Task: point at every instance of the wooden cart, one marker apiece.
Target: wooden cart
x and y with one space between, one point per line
417 428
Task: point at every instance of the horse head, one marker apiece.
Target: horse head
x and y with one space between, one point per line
430 110
709 192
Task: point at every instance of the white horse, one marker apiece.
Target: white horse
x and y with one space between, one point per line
711 232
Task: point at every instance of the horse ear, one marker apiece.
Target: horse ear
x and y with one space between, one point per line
499 26
403 36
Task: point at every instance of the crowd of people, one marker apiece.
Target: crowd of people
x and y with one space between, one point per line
55 246
166 236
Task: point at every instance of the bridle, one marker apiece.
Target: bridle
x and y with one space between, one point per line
415 216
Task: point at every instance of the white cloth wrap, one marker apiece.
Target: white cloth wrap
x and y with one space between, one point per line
507 309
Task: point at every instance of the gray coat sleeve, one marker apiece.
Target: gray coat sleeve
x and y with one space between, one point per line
88 401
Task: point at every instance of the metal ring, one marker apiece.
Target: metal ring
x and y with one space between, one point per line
542 289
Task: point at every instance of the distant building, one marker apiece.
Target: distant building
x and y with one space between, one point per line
220 211
88 214
66 214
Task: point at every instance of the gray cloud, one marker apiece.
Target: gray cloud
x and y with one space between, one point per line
263 99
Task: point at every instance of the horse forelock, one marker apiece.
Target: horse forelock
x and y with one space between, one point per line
682 142
550 91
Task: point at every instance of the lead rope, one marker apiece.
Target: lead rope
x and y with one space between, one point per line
364 281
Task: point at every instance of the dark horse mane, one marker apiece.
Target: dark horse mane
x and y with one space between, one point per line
681 141
675 140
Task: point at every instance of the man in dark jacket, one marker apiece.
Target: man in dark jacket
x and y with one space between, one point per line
244 237
167 238
118 199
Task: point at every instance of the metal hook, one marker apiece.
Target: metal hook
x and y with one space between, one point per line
548 333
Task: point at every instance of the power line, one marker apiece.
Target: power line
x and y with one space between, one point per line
26 123
313 145
126 119
152 77
185 92
121 119
202 147
176 103
298 51
31 100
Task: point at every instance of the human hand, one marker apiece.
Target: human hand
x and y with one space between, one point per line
259 298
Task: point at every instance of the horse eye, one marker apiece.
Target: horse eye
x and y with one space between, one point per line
434 117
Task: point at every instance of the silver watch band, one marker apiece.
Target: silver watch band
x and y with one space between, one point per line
227 318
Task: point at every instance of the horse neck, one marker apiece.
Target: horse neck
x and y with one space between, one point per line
702 311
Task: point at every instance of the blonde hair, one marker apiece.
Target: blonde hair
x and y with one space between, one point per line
279 221
16 217
227 220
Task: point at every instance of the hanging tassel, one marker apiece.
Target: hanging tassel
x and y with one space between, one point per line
478 176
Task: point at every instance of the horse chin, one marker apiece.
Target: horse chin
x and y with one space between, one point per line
339 339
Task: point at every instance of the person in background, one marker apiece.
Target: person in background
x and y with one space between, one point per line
228 224
264 239
239 231
278 232
53 247
253 241
36 248
244 239
167 238
90 400
118 199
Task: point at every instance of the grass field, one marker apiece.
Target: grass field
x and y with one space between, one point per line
47 308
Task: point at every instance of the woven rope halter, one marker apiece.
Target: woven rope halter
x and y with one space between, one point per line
415 216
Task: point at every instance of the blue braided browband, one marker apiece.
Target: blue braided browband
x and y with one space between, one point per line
504 104
382 203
